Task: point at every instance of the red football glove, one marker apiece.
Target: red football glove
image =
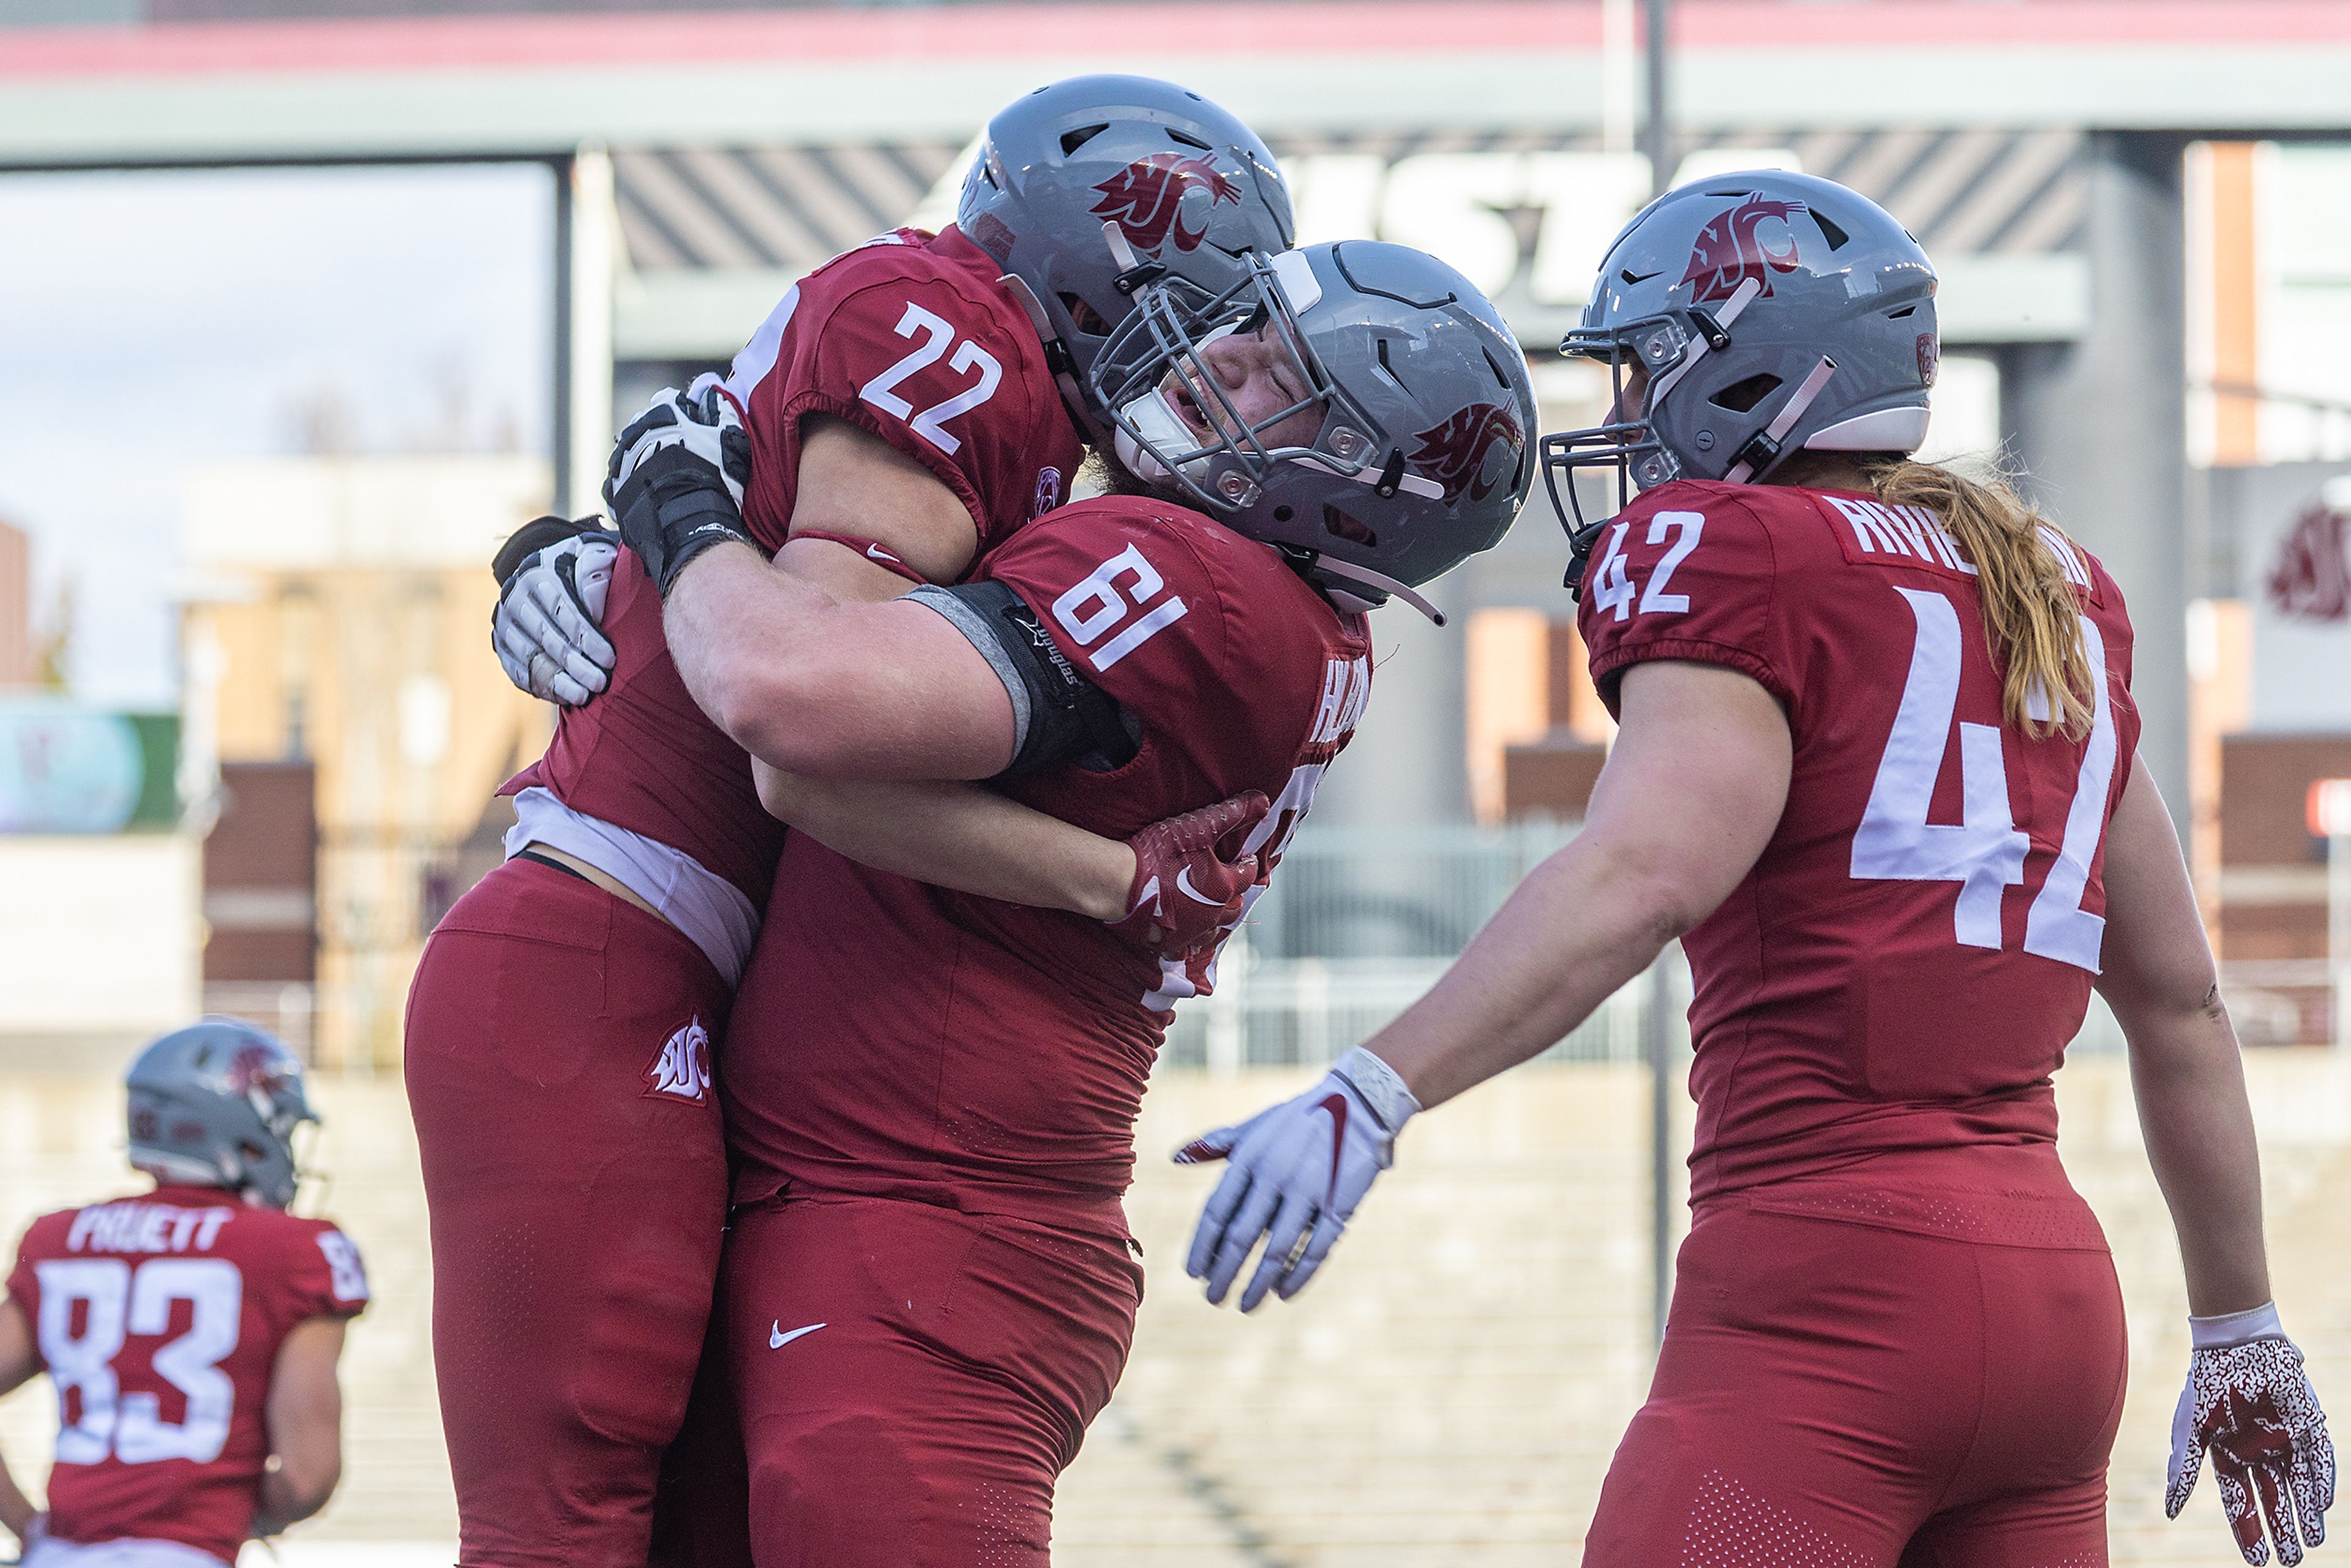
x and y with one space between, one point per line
2250 1404
1190 876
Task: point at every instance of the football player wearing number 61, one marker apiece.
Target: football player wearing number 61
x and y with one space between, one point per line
1877 769
931 1098
192 1331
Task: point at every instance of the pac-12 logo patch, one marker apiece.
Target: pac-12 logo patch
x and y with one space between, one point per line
681 1071
1145 199
1735 247
1049 493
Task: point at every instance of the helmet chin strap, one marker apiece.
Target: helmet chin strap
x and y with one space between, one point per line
1763 451
1120 251
1057 353
1349 572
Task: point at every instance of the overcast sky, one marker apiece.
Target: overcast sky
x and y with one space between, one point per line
150 323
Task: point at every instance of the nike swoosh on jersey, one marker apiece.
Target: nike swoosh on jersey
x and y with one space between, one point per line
778 1338
1337 1103
878 553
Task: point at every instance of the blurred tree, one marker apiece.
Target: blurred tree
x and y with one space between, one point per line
55 647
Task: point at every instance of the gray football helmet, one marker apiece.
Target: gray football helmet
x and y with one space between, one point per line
1089 189
1770 312
215 1105
1422 455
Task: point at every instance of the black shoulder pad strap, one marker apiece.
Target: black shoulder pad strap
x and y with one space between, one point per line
1059 714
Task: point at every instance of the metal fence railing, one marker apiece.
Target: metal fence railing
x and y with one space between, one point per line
1359 923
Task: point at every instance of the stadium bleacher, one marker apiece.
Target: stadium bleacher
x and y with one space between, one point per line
1448 1392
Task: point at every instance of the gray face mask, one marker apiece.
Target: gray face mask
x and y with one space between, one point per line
1400 446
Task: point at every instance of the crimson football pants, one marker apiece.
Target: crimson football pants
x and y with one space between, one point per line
914 1380
1834 1395
576 1175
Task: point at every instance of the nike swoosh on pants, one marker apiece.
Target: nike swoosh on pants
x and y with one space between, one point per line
778 1338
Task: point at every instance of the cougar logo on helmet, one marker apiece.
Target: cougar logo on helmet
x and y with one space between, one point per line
1730 250
1454 454
1146 198
255 1067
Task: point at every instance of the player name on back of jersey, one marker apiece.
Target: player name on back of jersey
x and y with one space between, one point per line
140 1226
1880 533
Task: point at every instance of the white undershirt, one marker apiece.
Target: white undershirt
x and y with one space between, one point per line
710 910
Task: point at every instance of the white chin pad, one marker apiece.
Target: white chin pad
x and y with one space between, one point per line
1883 429
1159 424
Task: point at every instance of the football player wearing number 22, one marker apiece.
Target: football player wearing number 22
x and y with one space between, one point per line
192 1331
1877 771
905 407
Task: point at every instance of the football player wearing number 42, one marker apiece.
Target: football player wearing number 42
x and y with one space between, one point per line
191 1331
1877 769
928 1270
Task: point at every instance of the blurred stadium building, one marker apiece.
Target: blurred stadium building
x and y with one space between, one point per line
2141 210
354 725
2134 208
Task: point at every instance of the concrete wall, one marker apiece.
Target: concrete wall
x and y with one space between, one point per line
99 935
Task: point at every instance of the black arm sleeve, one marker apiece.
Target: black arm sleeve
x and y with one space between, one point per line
1058 714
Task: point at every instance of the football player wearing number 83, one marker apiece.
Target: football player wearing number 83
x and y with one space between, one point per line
192 1331
1876 770
929 1260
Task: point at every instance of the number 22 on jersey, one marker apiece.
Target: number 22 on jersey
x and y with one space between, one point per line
1985 850
936 333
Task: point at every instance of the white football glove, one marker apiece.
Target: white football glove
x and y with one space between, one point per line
1294 1176
547 627
2250 1403
701 419
676 478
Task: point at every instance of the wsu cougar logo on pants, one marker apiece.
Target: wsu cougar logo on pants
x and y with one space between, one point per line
682 1069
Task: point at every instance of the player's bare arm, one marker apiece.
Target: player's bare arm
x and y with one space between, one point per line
2247 1397
855 486
1691 794
960 837
1689 799
20 1362
826 685
305 1418
2160 979
840 690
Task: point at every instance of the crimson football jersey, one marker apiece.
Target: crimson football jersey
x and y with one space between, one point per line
159 1319
894 1039
1902 970
908 337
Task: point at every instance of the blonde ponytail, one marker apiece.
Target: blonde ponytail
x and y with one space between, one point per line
2031 619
